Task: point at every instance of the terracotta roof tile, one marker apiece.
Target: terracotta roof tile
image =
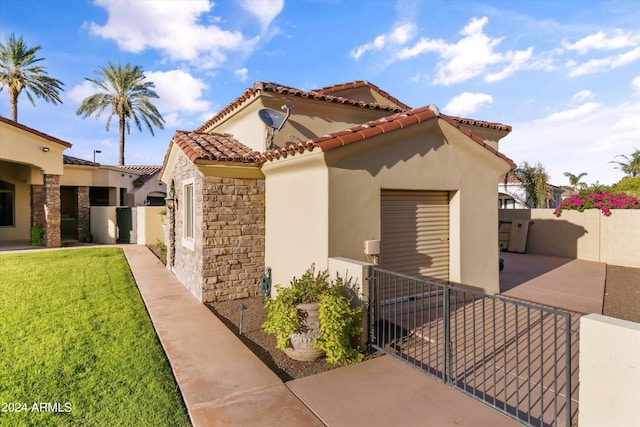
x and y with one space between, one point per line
35 132
360 83
376 127
481 123
213 146
290 91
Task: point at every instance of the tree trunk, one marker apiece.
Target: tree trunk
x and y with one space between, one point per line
13 105
121 159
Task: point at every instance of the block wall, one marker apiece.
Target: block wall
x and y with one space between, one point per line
609 372
587 235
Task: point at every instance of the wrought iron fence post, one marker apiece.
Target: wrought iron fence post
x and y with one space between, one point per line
568 367
372 306
447 336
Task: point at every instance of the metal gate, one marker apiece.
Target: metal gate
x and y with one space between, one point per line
126 225
517 357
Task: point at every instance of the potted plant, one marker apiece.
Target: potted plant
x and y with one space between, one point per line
315 317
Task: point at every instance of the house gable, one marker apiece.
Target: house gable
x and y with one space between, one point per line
362 91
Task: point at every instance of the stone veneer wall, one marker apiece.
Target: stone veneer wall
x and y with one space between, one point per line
37 206
227 261
187 263
51 196
233 231
84 210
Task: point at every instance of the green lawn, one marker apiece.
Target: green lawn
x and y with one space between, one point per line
76 341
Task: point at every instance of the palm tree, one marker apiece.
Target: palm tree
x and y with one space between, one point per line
19 70
574 180
126 95
632 164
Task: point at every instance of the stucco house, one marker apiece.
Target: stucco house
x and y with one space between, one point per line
350 164
512 194
42 187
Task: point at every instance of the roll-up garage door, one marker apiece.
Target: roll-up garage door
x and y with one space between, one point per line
415 233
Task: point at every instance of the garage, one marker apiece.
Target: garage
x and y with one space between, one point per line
415 233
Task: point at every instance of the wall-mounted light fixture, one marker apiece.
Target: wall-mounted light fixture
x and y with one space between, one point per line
45 149
170 202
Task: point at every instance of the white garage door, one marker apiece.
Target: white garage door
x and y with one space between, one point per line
415 233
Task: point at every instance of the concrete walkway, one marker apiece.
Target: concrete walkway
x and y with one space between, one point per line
224 384
568 284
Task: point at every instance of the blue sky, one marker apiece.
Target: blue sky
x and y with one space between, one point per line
564 74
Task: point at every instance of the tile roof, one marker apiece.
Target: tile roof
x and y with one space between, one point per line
222 147
290 91
360 83
213 146
69 160
35 132
376 127
146 172
481 123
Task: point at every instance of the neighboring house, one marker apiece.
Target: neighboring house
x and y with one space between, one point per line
42 187
513 195
351 164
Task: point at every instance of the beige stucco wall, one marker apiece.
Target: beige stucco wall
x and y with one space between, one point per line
103 224
609 372
309 119
296 216
424 159
17 145
315 211
19 176
587 235
77 176
149 225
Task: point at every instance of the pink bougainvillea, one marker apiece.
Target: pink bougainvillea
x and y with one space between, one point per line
605 201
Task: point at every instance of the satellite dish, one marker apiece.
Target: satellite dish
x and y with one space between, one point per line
272 118
275 120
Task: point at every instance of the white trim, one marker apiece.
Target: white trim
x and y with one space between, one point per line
188 241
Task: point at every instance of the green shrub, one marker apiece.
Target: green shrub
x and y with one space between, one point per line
339 320
37 236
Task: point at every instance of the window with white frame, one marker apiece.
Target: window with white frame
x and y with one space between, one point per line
188 211
189 214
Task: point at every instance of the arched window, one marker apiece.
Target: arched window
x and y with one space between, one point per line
7 202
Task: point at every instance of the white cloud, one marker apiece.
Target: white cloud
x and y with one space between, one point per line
178 91
578 140
573 113
171 27
635 84
583 95
242 74
467 103
398 36
517 60
604 64
264 10
617 39
418 77
79 92
470 56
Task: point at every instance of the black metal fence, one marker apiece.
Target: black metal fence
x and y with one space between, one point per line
517 357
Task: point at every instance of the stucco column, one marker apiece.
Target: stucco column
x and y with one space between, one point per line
83 213
51 196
